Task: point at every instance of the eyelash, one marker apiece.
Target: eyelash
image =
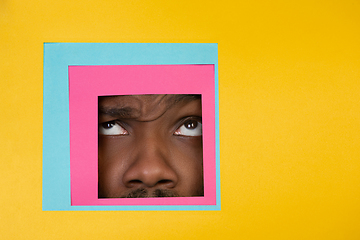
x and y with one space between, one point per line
117 128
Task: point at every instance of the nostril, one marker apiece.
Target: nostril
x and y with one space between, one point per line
134 183
165 182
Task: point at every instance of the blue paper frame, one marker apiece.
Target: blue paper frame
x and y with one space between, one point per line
56 145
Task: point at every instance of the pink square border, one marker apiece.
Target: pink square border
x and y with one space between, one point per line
86 83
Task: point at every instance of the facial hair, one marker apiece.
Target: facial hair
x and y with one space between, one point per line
143 193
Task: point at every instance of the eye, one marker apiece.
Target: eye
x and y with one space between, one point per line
112 129
190 128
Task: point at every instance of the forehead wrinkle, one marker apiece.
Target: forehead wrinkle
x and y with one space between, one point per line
152 107
170 100
122 112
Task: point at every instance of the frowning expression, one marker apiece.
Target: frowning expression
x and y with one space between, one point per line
150 146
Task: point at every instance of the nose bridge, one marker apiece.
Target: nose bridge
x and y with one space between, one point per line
150 163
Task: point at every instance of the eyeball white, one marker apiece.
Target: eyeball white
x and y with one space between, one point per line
191 128
112 129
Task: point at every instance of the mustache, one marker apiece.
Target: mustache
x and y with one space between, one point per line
144 193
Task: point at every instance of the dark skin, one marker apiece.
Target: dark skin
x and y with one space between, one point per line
150 146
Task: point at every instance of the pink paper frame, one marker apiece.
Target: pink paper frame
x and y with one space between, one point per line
86 83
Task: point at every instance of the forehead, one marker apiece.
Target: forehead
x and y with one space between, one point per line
142 107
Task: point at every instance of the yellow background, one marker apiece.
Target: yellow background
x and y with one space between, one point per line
289 78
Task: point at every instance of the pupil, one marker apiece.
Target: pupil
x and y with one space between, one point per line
191 124
108 125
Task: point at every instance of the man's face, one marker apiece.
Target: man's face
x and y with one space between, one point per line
150 146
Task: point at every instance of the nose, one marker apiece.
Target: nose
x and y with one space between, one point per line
150 167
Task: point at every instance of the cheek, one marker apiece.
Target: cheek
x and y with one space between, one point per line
188 163
112 163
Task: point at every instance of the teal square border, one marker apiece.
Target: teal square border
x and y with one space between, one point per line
56 143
